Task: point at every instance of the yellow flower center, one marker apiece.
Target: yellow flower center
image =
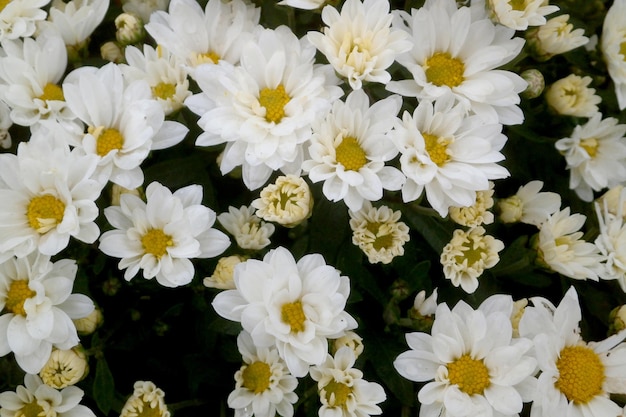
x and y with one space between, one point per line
156 242
256 377
32 409
208 57
274 100
16 296
144 409
590 145
3 4
442 69
581 374
437 148
519 5
350 154
383 240
472 253
52 92
337 393
470 375
622 50
164 91
106 139
293 315
44 212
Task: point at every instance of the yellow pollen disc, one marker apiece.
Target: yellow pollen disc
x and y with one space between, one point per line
52 92
581 374
208 57
147 410
3 4
44 212
164 91
470 375
293 315
256 377
108 140
442 69
472 255
350 154
283 200
519 5
274 100
156 242
590 145
32 409
436 148
18 293
339 390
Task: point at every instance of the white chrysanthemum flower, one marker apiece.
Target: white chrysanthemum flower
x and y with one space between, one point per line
476 214
47 195
264 108
38 304
613 201
378 232
349 148
65 367
611 240
35 398
166 76
467 255
595 155
278 302
76 20
560 247
571 96
124 123
249 231
287 201
452 53
162 234
264 385
359 42
556 37
576 377
144 8
517 14
198 36
224 273
529 205
343 391
471 363
612 44
30 74
18 19
351 340
449 154
146 399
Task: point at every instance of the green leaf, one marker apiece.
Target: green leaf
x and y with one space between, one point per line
103 386
436 231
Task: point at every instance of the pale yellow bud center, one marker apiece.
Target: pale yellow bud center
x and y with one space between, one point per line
337 393
293 315
16 296
622 50
350 154
442 69
44 212
256 377
274 100
156 242
581 374
519 5
590 145
470 375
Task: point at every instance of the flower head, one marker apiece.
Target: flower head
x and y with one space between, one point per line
529 205
288 201
571 96
65 367
18 19
476 214
556 37
146 399
223 275
518 15
249 231
612 44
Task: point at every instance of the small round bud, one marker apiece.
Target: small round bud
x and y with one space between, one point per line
351 340
511 209
117 191
222 277
88 325
111 51
130 29
617 319
536 83
65 367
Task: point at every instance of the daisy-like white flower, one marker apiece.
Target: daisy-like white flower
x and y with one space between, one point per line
560 247
359 42
65 367
378 232
30 73
612 44
263 109
529 205
38 304
162 234
556 37
518 15
610 239
249 231
75 21
166 76
349 149
471 364
264 385
200 36
576 376
476 214
47 195
288 201
595 155
571 96
18 19
342 389
467 255
278 302
124 123
146 399
452 53
144 8
448 154
35 398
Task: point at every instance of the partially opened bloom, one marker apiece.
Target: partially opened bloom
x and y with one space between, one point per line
518 15
359 42
295 306
249 231
146 400
610 240
224 272
65 367
471 364
557 36
287 201
612 44
162 234
572 96
18 19
38 304
529 205
476 214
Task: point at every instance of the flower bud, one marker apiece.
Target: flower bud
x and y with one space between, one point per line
111 51
117 191
536 83
65 367
88 325
130 29
222 277
511 209
288 201
351 340
617 319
